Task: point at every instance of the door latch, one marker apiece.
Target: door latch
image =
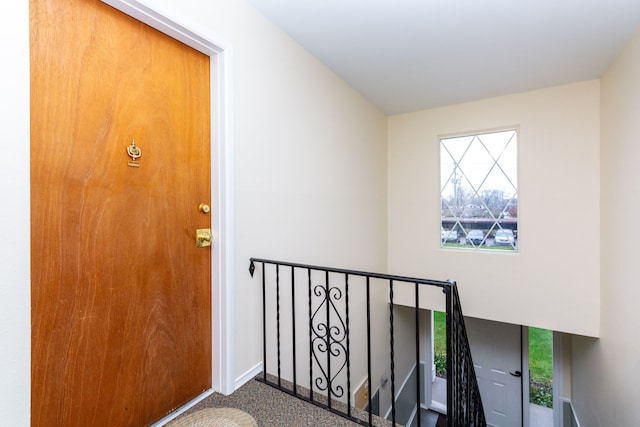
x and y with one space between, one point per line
203 237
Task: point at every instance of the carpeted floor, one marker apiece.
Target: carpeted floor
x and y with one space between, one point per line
273 408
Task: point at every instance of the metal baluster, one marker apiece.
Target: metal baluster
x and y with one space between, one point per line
264 325
278 321
329 382
450 375
418 376
346 291
293 327
391 344
310 340
369 351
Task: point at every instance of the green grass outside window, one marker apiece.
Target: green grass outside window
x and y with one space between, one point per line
540 359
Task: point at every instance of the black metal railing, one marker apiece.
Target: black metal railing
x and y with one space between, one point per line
464 405
336 299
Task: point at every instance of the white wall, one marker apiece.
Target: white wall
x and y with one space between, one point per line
553 281
309 160
605 372
14 214
309 172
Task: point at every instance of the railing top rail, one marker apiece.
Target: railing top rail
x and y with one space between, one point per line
439 283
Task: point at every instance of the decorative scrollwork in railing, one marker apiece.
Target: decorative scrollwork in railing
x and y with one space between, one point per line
328 339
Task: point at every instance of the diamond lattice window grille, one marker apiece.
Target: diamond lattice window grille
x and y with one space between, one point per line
479 191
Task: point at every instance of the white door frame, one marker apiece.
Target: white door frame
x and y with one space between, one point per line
558 377
222 263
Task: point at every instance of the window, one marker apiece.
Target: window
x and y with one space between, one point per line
479 191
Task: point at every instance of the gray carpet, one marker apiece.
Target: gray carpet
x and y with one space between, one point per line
273 408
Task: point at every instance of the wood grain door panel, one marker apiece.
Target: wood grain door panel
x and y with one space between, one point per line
121 295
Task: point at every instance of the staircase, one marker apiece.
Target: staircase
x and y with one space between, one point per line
333 336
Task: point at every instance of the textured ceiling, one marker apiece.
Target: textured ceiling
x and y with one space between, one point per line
408 55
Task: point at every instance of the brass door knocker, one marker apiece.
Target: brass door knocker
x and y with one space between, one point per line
134 152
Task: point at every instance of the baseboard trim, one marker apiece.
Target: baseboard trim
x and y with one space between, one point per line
240 381
248 376
417 371
569 416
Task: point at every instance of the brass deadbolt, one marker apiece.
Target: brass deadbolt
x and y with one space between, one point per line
203 237
204 208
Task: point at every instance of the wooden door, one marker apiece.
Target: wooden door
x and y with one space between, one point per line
121 295
497 359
